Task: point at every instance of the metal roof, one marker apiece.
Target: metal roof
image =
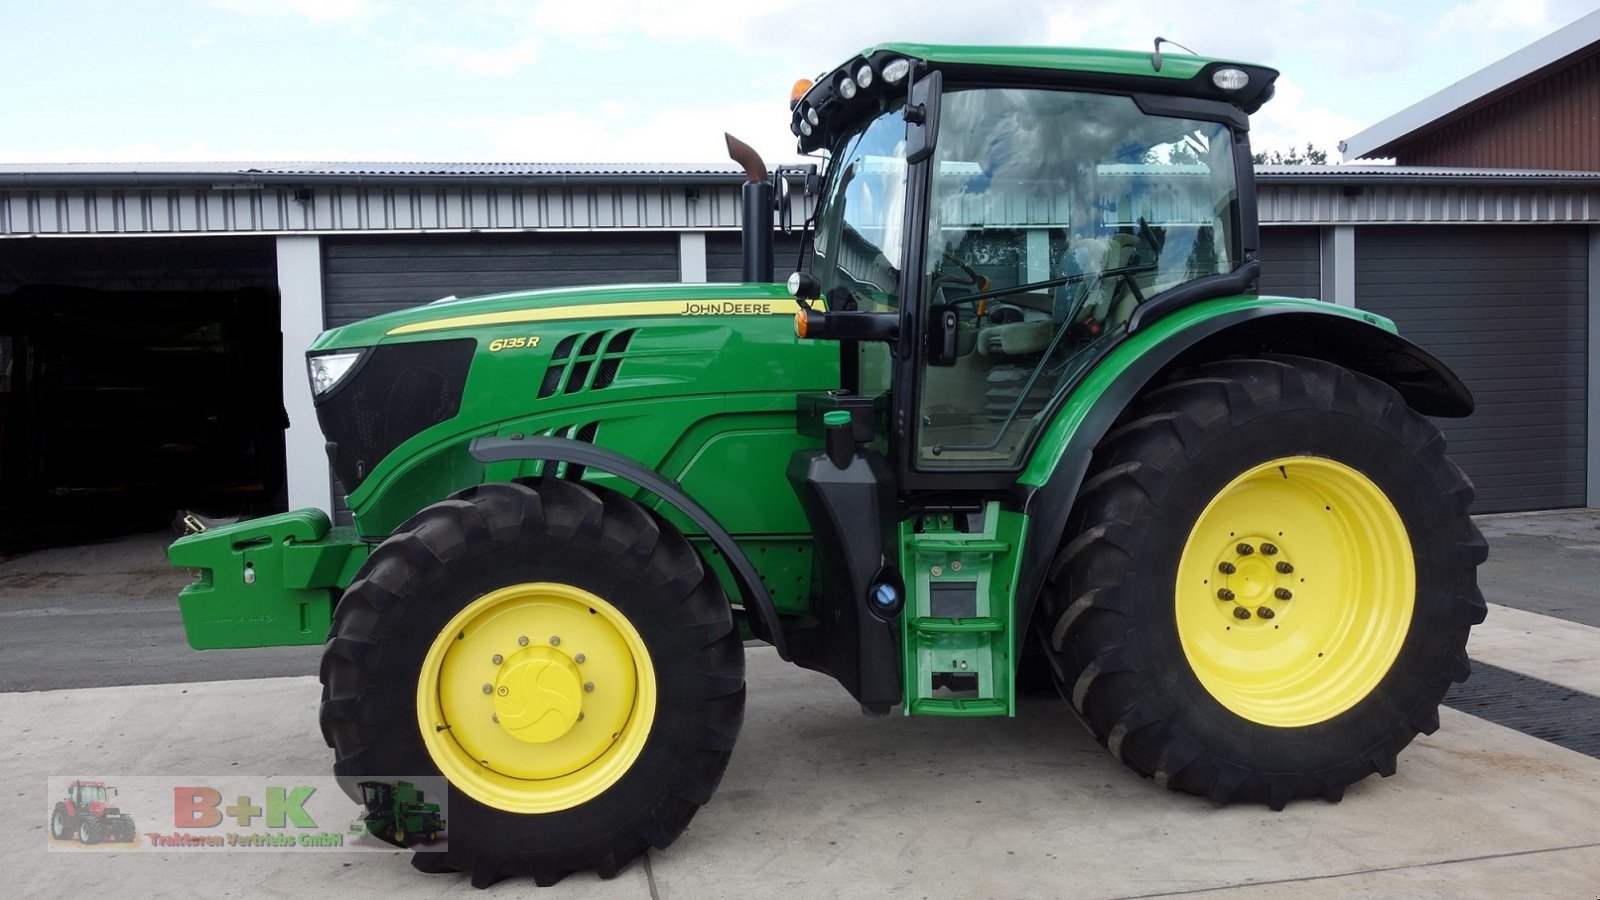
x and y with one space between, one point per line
1552 48
240 174
1351 174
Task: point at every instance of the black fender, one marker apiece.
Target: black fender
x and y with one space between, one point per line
1426 384
763 614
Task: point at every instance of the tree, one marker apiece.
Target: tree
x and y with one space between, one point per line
1311 157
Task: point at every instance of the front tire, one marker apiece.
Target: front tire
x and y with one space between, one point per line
1268 583
561 655
62 826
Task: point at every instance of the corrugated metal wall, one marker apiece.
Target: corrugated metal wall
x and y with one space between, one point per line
352 208
1507 309
355 209
1550 123
365 276
1291 262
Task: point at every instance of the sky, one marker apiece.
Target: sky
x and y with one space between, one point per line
640 80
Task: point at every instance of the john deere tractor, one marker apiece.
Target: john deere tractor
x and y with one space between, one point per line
1020 413
394 811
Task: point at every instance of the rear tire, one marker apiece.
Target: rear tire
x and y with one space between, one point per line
1154 615
502 556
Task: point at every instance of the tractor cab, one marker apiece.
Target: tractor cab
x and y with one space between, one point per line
86 793
377 795
989 227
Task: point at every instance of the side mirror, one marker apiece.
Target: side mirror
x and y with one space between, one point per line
922 116
785 206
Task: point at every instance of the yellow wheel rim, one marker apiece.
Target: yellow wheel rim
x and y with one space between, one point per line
1295 591
536 697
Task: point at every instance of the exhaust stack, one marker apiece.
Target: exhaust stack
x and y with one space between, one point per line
755 214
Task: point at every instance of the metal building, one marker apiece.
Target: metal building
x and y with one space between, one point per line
1495 271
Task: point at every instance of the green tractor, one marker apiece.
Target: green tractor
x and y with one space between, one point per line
395 811
1030 422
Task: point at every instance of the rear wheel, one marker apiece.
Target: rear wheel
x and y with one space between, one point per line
1269 582
560 655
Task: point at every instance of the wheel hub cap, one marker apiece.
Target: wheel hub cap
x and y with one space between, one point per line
538 695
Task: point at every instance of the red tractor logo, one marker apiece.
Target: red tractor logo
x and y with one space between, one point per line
88 815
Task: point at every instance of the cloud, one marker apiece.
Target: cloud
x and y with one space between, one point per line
803 29
497 61
319 12
1290 121
1474 19
615 134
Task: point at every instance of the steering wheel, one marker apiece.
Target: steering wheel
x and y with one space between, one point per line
974 278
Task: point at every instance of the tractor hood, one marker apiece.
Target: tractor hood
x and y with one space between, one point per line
453 317
400 396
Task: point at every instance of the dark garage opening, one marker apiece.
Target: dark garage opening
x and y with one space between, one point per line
139 379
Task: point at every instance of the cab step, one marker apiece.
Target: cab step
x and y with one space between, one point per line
956 626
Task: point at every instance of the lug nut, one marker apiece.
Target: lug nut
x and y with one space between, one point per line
1284 568
588 686
522 641
1224 594
1226 568
580 715
494 718
1240 612
497 659
488 689
578 659
1283 594
1245 549
1269 549
1265 613
555 641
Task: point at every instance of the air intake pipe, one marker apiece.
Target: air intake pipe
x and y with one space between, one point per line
756 213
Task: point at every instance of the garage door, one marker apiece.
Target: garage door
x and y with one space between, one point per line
1291 262
366 276
1507 309
723 262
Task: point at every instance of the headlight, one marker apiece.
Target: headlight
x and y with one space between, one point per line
847 89
329 368
895 70
864 75
1230 79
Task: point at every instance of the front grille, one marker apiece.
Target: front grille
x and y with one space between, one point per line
395 392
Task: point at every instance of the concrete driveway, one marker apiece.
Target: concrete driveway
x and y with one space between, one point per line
821 802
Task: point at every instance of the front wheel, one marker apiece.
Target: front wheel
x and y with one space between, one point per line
560 654
62 825
1269 584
